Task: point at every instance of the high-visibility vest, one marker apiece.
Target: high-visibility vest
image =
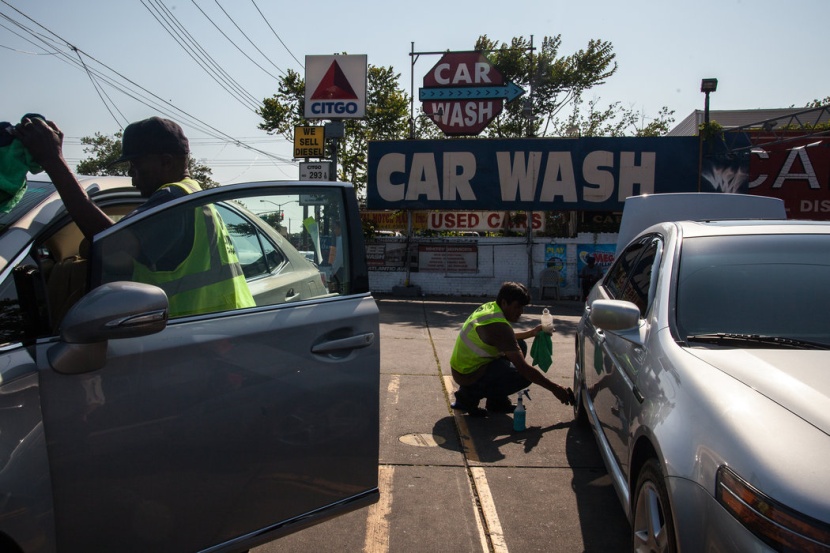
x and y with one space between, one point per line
210 278
470 351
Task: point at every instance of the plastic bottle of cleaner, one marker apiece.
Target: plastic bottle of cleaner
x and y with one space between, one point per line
519 413
547 321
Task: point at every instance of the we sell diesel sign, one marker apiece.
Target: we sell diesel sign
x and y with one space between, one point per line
528 174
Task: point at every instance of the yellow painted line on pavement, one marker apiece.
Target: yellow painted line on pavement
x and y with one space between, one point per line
394 388
488 509
467 443
377 520
485 507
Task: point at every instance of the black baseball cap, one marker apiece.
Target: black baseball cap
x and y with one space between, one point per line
152 136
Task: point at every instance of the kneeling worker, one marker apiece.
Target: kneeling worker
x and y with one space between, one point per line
488 360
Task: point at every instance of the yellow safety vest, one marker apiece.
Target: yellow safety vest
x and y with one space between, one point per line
210 278
470 351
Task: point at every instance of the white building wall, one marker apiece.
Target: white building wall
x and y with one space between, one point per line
499 260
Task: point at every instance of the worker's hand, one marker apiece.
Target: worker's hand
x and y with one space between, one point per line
43 139
536 330
565 395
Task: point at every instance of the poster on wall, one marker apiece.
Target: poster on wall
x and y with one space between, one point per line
386 256
441 258
556 257
603 255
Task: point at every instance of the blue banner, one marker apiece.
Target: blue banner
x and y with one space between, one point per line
530 174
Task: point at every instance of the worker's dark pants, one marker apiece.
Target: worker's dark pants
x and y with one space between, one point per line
500 379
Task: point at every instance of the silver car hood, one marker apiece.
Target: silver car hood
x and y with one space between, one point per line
798 380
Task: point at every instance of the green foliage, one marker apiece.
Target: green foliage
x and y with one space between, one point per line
106 149
819 103
551 81
614 120
711 131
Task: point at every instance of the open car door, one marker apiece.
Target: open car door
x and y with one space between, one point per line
227 426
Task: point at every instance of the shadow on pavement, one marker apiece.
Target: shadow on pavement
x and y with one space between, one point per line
491 433
602 521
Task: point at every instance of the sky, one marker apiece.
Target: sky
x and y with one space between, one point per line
765 54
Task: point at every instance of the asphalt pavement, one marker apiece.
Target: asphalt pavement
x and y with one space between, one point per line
450 482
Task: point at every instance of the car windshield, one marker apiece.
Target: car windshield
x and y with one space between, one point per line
751 286
35 192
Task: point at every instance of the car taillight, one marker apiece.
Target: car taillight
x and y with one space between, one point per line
777 525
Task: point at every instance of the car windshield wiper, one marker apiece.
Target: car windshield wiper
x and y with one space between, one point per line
756 340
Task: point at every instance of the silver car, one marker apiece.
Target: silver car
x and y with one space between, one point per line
125 429
701 365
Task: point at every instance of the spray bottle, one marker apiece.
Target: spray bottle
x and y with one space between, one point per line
547 321
519 414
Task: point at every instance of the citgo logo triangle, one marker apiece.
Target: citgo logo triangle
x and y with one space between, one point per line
334 85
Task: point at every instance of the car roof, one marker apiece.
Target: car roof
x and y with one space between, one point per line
640 212
693 229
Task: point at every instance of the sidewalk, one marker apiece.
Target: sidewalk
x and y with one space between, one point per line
455 483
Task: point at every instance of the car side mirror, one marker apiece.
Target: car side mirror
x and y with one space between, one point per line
614 315
112 311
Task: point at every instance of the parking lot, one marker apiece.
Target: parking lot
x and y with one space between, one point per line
449 482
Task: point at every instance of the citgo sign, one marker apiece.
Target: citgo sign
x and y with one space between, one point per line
335 87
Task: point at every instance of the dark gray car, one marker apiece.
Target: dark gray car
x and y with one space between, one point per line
124 430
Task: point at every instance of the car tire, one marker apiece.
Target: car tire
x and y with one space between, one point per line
652 521
580 414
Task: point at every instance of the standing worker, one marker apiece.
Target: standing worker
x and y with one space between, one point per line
589 275
488 360
173 255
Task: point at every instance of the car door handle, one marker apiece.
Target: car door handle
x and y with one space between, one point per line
352 342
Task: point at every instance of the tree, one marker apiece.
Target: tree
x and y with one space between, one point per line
106 149
558 81
386 118
615 120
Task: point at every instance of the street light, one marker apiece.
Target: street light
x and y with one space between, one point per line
707 86
279 206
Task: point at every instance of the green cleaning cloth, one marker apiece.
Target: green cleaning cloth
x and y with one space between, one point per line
15 162
542 351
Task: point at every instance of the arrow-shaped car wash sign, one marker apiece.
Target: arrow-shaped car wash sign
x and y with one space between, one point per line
463 92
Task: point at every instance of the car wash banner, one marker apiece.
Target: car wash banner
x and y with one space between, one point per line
534 174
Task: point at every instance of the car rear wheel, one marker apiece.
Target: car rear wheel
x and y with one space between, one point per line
653 524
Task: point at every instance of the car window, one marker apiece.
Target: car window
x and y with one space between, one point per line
637 289
258 256
630 278
234 252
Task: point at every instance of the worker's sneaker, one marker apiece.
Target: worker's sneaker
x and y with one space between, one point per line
499 405
462 403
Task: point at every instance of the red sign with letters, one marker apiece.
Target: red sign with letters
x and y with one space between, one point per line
797 171
463 92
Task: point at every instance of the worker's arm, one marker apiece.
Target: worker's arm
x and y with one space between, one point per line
45 143
502 336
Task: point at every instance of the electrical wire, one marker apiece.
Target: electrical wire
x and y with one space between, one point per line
236 46
174 28
99 89
276 35
246 36
131 89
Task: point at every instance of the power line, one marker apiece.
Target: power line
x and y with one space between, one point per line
99 89
236 46
174 28
131 89
246 36
276 35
